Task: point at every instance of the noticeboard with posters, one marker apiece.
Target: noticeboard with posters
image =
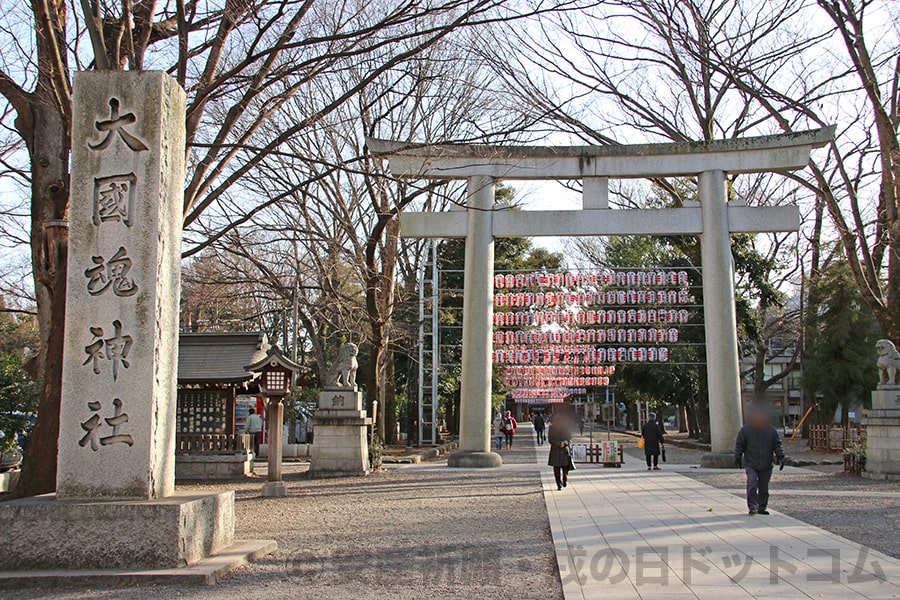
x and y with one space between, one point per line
242 405
202 411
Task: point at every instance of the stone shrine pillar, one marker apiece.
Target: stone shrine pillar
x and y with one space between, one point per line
477 327
723 371
117 418
116 506
276 376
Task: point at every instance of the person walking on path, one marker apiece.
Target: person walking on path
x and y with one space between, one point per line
253 428
509 426
498 430
539 426
756 445
581 424
559 436
654 440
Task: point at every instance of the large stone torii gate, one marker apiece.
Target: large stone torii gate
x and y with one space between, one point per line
713 218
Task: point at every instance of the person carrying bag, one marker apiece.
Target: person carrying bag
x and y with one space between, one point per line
559 437
509 426
652 435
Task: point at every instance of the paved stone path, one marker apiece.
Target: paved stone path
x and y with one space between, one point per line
829 493
632 534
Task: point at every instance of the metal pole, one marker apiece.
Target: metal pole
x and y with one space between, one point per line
435 339
421 340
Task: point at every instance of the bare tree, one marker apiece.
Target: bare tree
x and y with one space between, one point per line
327 195
240 63
655 70
858 85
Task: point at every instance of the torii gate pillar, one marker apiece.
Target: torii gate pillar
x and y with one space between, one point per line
723 374
478 303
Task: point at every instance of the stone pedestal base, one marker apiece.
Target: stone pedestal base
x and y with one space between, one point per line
341 446
8 481
274 489
712 460
467 459
177 531
883 434
208 571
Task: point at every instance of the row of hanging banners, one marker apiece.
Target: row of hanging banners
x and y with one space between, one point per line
557 334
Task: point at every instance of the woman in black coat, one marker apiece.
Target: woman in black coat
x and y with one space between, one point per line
652 433
559 437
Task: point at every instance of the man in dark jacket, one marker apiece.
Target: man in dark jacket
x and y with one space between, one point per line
539 426
757 443
654 439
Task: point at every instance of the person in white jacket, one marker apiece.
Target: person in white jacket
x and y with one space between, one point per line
253 428
498 430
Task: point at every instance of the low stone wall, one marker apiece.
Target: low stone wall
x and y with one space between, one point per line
423 455
212 466
287 450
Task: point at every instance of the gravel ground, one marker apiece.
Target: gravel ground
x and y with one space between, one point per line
399 534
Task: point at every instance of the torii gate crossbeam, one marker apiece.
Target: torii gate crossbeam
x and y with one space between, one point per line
713 218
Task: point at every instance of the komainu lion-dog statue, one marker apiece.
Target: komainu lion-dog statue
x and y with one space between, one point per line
888 362
342 374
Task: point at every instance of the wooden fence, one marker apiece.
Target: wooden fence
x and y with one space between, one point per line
824 438
215 443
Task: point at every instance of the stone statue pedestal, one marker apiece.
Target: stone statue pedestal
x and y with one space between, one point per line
340 447
883 434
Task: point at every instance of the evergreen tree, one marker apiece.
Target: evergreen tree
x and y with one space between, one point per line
19 393
841 331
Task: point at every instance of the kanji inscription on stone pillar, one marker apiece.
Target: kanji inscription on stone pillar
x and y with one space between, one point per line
117 425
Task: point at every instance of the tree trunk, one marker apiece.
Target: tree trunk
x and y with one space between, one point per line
390 401
891 325
292 432
453 412
702 417
373 376
759 374
380 306
49 237
691 420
